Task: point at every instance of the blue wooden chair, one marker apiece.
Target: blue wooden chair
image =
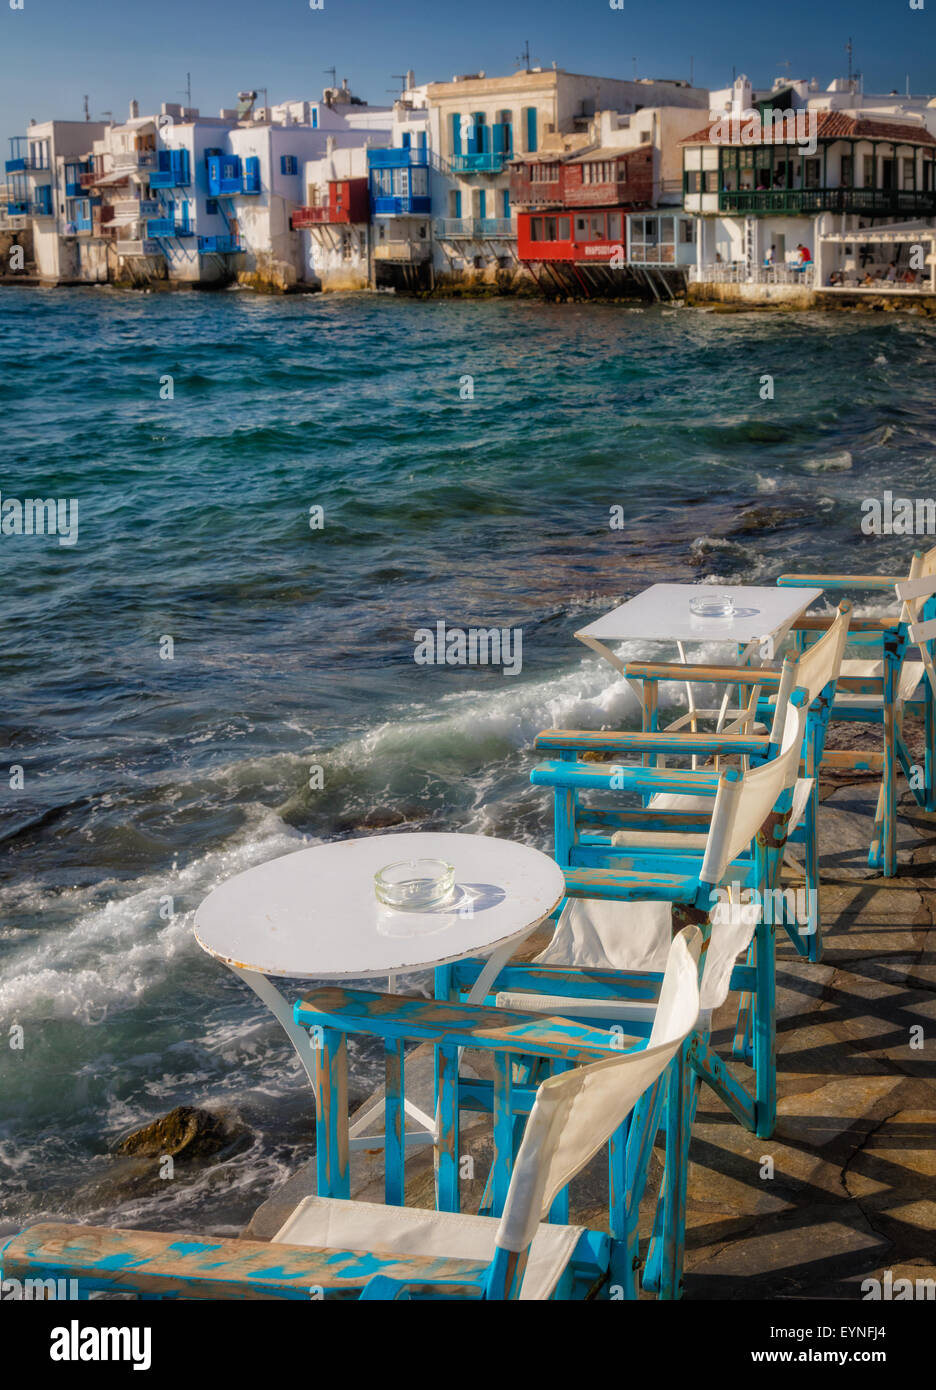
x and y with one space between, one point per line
333 1247
880 687
607 969
815 670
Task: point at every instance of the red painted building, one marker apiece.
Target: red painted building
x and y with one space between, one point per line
573 208
348 202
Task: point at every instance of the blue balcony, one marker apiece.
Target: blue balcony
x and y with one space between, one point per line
168 227
21 158
172 170
225 245
399 181
41 204
490 162
18 208
73 172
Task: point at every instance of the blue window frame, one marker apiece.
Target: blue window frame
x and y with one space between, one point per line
458 202
505 209
482 204
456 133
531 129
289 164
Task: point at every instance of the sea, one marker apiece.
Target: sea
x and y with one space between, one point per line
273 496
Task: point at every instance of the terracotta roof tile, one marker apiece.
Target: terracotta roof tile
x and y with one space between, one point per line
831 125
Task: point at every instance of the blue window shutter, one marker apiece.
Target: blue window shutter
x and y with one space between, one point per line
506 210
482 204
456 133
315 118
406 139
531 129
458 202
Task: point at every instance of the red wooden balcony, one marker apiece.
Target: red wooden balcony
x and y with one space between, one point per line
347 202
601 178
536 184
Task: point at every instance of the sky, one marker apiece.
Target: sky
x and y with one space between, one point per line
54 52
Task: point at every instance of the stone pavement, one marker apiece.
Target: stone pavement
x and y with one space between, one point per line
850 1192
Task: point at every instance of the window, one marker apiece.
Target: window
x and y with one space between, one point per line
315 118
867 164
686 232
711 181
848 170
693 181
536 229
811 171
454 202
581 228
456 133
419 181
597 229
505 203
289 164
211 206
614 226
549 229
562 229
598 171
482 203
544 173
909 172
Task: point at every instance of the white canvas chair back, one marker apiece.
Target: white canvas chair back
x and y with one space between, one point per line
743 804
914 592
821 662
576 1112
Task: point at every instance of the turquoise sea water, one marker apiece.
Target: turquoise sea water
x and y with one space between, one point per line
147 780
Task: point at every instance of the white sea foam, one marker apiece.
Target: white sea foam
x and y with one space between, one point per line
830 463
107 956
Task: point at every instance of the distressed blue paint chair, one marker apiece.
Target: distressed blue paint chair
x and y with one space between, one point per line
605 957
815 670
333 1247
881 686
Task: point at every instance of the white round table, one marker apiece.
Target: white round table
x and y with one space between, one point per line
314 915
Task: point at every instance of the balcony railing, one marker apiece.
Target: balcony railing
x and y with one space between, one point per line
168 227
410 252
316 217
490 162
132 248
19 207
740 273
17 166
474 228
129 209
410 157
402 205
134 159
866 202
225 245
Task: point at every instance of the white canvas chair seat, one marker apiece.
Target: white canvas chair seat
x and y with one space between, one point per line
331 1223
593 934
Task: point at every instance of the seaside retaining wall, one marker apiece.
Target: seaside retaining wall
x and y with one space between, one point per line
723 292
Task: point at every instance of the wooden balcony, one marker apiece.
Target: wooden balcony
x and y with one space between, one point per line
405 252
320 216
862 202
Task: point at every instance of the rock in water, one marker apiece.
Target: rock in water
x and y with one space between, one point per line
186 1132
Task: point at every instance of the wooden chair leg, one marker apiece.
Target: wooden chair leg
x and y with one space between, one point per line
765 1031
333 1174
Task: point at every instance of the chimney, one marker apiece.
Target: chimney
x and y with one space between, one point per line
134 108
410 79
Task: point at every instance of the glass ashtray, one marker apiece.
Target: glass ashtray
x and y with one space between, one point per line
712 606
415 885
